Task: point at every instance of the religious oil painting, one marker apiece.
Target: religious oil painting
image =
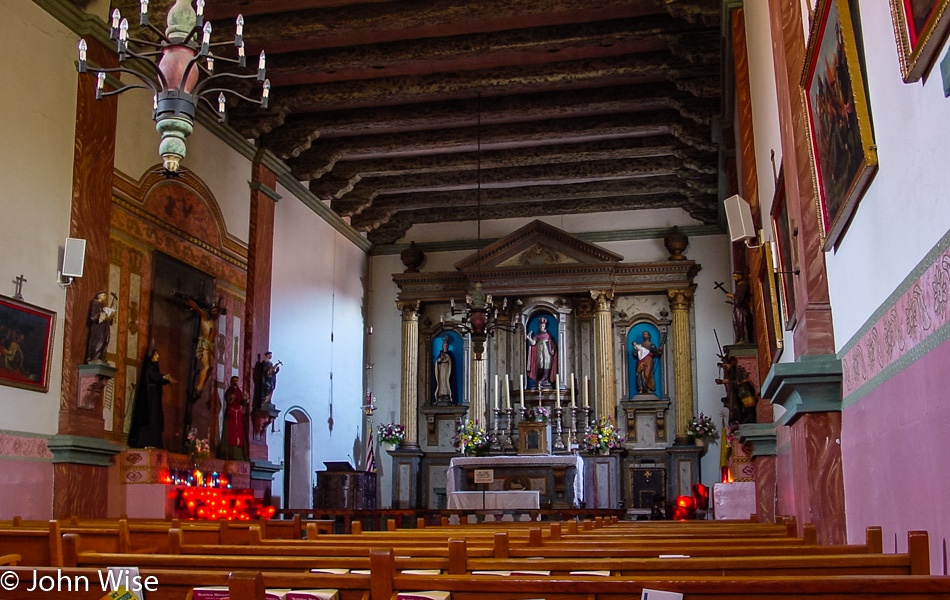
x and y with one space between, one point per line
783 232
26 342
838 116
920 27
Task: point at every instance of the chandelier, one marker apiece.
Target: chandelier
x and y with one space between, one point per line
480 316
183 47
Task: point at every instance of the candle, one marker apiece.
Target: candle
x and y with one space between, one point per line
585 391
521 379
572 391
557 389
496 391
507 391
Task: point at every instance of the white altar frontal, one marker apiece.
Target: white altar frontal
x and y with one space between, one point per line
558 480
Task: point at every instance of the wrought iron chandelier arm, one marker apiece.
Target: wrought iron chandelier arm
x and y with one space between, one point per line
141 42
150 85
143 58
200 87
227 91
126 88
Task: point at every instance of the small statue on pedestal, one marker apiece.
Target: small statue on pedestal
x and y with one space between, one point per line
100 324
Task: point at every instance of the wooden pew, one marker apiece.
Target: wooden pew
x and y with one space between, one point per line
458 562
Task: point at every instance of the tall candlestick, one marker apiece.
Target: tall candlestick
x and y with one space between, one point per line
557 389
496 391
521 388
572 391
585 391
507 391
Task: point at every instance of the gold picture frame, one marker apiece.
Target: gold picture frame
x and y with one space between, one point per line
839 120
26 336
920 27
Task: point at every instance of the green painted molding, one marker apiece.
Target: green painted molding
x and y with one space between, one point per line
263 470
81 450
593 237
25 434
257 186
811 384
761 436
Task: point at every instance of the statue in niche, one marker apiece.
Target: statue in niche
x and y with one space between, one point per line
443 374
741 396
542 356
646 353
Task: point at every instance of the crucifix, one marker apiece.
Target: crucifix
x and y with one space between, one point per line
19 281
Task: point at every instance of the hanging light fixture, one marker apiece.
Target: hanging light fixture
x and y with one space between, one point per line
183 46
480 316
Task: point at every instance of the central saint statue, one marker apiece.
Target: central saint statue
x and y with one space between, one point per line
542 356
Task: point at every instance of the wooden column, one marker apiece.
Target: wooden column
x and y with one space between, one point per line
477 393
680 301
410 372
605 389
260 258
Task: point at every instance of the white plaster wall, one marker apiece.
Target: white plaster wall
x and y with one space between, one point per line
904 211
37 157
220 167
317 331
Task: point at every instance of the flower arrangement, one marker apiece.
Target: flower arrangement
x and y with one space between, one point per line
471 438
701 428
604 437
392 433
199 447
537 414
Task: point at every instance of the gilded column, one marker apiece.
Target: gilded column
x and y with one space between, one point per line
476 408
410 372
605 390
680 301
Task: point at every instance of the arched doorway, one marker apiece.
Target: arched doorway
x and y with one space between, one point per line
298 487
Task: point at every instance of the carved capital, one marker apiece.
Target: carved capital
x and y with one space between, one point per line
410 310
603 299
681 299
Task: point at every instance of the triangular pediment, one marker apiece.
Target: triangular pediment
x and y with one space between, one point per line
537 244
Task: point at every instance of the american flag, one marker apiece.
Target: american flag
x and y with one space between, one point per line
370 455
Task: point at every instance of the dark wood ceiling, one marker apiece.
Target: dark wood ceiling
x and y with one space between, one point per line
398 112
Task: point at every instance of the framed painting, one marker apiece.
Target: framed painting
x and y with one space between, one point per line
770 310
783 232
839 120
26 344
920 27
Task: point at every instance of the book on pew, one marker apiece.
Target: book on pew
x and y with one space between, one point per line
325 594
674 556
124 579
526 572
594 573
659 595
210 592
329 571
423 596
359 571
504 573
421 572
273 594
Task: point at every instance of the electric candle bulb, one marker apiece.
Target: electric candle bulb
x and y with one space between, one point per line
239 26
200 8
221 103
210 60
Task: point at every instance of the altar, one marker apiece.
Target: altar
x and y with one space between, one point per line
558 480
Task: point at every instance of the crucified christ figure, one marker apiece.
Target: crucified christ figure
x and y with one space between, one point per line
204 350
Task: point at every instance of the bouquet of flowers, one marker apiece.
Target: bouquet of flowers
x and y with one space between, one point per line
471 438
392 433
199 448
604 437
701 428
537 414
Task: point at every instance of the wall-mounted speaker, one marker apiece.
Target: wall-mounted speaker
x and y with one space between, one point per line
74 257
739 218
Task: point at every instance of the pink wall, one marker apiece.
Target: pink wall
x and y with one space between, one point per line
26 489
895 457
